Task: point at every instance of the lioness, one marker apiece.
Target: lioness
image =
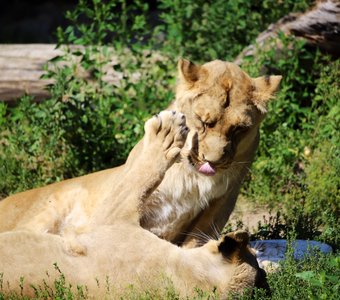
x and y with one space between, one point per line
124 253
223 107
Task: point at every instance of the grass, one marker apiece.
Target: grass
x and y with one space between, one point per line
316 277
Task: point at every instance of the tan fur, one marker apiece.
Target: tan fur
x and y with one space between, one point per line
115 250
123 254
224 108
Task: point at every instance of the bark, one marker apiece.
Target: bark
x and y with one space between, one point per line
320 27
21 67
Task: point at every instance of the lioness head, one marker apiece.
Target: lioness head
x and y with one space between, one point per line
235 250
224 107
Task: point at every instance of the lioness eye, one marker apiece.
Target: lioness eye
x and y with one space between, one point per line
211 125
227 101
239 130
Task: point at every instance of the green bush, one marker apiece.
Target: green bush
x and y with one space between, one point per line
324 282
207 30
33 150
103 120
299 137
295 280
200 30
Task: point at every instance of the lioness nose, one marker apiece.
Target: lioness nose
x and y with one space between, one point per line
212 155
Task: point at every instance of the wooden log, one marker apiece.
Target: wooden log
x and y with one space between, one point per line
21 67
320 27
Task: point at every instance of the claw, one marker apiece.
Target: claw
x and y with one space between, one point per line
184 131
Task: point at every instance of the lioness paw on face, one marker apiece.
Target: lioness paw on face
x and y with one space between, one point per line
223 107
165 135
164 138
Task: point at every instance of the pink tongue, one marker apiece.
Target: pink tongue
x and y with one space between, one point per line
207 169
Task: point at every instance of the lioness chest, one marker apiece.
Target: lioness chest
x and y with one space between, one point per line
181 196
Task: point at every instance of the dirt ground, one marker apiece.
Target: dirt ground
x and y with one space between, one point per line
249 213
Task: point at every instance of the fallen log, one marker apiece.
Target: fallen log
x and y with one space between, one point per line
320 27
21 67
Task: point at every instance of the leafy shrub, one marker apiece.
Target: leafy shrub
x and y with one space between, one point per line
289 281
103 120
95 22
328 285
299 137
32 148
207 30
200 30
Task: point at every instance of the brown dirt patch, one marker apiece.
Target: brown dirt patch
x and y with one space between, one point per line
249 213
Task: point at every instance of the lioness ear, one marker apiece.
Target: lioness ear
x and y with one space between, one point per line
264 89
228 246
232 242
242 237
188 71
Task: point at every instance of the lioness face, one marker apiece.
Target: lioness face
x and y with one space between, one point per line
223 107
234 249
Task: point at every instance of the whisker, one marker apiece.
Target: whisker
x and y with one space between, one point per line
232 172
241 162
203 237
215 230
200 236
208 237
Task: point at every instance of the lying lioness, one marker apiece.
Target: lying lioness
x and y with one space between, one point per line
223 107
119 251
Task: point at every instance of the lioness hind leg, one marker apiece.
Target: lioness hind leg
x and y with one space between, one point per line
164 138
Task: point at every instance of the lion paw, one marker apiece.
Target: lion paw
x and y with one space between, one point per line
165 133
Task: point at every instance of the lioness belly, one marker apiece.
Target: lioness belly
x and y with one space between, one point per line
56 206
